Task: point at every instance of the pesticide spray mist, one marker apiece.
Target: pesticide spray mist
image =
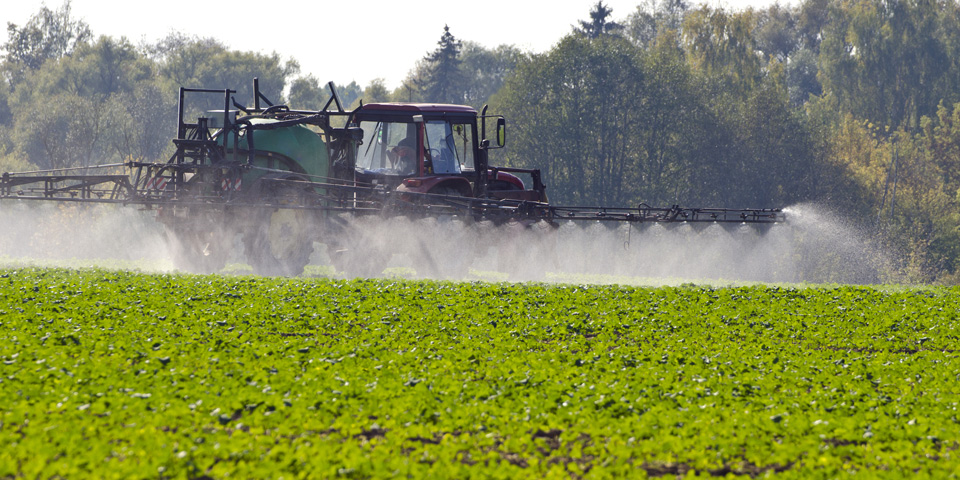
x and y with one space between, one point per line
812 246
81 235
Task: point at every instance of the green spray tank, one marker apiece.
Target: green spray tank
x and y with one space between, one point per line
273 144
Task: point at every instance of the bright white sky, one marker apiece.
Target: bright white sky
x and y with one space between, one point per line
344 40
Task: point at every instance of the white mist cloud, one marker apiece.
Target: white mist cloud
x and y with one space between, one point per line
812 246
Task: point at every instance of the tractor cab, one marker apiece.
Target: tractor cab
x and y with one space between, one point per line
424 148
436 149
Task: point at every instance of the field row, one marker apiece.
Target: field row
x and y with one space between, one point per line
130 375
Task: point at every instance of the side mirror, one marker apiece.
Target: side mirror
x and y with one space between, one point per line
501 132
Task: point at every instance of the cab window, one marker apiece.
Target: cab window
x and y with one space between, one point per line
378 140
448 146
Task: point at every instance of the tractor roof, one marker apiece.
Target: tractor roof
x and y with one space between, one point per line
420 108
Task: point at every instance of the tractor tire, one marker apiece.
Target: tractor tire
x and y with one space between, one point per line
279 241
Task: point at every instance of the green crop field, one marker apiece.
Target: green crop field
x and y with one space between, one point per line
109 374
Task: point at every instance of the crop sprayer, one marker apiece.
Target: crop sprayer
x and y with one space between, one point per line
281 179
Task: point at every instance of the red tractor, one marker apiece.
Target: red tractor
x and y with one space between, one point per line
436 149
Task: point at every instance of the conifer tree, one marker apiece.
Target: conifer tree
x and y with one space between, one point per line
598 24
443 83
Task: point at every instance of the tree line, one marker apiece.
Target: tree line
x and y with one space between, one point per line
850 104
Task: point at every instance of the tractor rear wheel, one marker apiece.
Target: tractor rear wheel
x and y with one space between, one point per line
279 240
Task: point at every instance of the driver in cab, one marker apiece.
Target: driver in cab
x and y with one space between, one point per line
404 156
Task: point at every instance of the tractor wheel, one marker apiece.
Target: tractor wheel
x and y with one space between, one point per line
279 240
199 246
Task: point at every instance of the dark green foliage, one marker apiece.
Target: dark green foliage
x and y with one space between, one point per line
612 124
801 78
308 93
892 62
567 122
484 71
776 32
82 102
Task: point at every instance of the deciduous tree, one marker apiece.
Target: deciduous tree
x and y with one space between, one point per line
47 35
